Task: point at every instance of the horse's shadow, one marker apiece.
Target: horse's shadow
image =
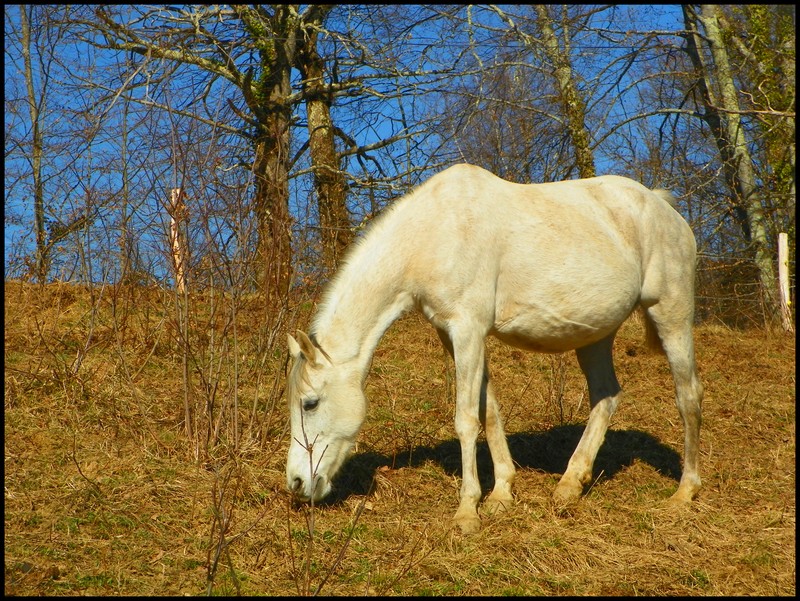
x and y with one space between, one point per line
548 451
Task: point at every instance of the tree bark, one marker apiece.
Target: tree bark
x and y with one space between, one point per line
268 100
271 208
329 181
571 102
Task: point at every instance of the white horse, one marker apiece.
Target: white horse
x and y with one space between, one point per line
545 267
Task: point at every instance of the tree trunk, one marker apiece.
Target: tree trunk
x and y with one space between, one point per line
571 102
267 97
125 250
42 251
271 207
329 180
729 134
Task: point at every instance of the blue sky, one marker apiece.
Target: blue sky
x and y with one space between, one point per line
91 175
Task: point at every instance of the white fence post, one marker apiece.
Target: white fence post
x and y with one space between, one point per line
783 278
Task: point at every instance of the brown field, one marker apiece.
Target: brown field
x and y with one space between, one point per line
103 495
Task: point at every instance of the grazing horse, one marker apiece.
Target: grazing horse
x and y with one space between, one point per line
544 267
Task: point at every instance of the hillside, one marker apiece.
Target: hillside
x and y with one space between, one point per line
106 495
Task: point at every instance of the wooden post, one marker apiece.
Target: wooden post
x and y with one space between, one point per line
783 279
177 213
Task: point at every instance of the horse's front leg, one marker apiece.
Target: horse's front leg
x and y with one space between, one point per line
501 497
469 360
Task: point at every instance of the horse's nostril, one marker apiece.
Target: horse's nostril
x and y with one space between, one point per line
297 484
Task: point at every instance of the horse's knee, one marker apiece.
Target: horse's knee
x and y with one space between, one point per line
467 426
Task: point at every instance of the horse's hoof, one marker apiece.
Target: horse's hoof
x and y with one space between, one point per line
492 506
468 524
682 498
567 493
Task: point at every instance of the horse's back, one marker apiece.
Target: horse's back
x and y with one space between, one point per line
605 213
548 266
466 213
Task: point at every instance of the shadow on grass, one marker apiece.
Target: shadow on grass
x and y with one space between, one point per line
547 451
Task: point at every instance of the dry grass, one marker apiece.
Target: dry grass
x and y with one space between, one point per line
103 497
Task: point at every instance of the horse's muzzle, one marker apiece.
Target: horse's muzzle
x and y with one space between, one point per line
305 492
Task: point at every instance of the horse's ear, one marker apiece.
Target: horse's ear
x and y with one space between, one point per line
294 348
303 346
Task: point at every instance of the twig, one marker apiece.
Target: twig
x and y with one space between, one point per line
596 480
342 551
80 471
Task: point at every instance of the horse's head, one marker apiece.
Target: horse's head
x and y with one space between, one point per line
326 409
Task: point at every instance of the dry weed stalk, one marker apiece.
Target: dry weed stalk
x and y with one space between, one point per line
556 385
302 577
220 527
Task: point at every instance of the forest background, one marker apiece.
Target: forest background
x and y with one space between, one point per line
288 127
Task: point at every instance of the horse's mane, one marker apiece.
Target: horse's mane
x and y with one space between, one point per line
361 249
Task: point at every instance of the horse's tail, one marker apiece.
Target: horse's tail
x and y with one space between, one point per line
651 337
668 196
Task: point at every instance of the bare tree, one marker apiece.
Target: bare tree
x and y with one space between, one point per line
35 106
41 146
762 42
253 49
40 32
556 51
248 54
709 54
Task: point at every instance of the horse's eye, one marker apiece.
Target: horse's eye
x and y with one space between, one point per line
310 404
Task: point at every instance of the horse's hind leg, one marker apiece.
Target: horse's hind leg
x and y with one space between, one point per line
674 327
604 392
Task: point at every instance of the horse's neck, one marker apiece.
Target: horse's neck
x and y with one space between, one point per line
365 298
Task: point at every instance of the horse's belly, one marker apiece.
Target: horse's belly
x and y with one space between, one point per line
557 329
552 339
